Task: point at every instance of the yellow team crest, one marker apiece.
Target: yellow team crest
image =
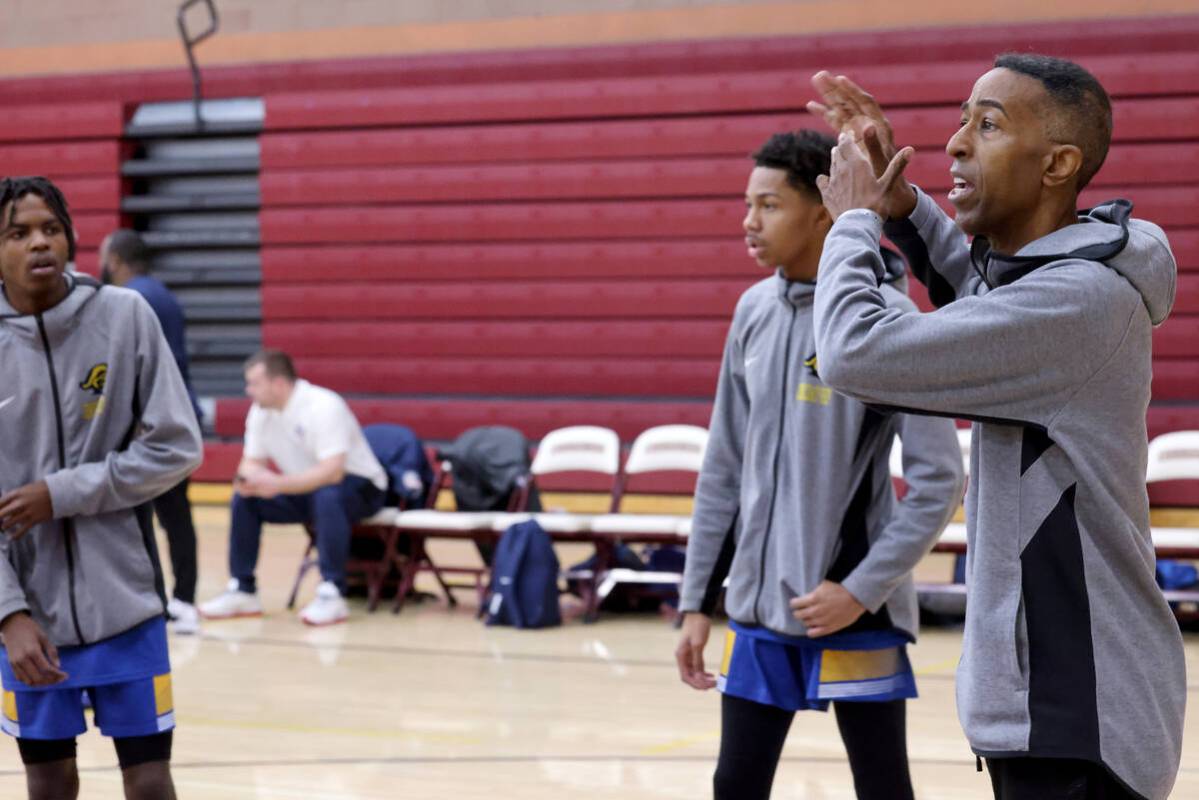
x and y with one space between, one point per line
811 392
94 382
813 365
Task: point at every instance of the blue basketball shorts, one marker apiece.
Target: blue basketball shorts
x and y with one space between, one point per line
127 678
136 708
798 674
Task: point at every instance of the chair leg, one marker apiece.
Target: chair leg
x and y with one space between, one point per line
409 570
450 600
374 587
604 552
306 563
377 574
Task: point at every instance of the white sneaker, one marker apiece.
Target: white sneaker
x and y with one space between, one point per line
327 608
185 619
232 603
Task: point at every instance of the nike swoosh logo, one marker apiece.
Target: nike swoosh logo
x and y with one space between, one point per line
3 403
749 361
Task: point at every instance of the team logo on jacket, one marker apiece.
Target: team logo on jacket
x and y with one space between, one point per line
811 364
811 392
94 382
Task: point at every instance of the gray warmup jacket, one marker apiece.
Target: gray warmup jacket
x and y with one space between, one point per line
91 402
1069 650
795 487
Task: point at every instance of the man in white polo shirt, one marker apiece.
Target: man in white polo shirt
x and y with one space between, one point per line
328 477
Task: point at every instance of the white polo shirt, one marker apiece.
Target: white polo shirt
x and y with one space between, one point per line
315 424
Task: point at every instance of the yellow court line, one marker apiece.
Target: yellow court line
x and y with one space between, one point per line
938 668
680 744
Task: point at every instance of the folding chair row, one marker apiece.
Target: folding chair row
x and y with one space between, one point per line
575 449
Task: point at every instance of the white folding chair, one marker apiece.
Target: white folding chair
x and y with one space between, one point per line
666 448
1172 457
578 448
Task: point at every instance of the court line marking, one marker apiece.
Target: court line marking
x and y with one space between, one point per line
964 762
497 759
476 654
681 744
923 672
369 733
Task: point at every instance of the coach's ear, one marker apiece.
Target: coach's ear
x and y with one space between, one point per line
1062 163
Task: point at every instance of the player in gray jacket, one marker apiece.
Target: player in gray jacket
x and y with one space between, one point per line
1072 682
95 422
795 505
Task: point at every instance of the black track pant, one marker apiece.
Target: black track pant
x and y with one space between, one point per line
1053 779
174 513
752 737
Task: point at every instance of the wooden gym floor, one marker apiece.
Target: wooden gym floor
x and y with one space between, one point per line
432 704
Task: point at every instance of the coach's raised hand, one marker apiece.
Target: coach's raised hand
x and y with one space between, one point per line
851 182
849 109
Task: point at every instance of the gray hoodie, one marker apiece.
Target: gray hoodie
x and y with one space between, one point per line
796 488
1070 650
92 403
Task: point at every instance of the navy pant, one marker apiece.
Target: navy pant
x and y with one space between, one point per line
330 510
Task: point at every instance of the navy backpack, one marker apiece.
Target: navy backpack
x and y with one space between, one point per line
524 579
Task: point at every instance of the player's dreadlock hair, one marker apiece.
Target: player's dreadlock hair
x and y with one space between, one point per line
802 154
13 189
1080 113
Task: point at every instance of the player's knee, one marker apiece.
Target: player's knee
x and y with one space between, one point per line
148 781
726 785
734 781
241 502
328 498
56 780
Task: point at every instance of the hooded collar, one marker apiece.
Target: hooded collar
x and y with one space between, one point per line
1135 249
793 292
1100 234
58 318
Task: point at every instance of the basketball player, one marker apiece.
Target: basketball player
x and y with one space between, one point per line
95 422
795 505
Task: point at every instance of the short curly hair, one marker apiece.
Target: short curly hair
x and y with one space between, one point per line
803 155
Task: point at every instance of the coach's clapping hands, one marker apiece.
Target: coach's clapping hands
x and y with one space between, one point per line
849 110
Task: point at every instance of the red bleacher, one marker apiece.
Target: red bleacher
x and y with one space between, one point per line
552 237
1070 38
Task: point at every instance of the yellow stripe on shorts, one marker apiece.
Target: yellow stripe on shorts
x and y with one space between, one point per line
858 665
730 637
163 696
10 706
